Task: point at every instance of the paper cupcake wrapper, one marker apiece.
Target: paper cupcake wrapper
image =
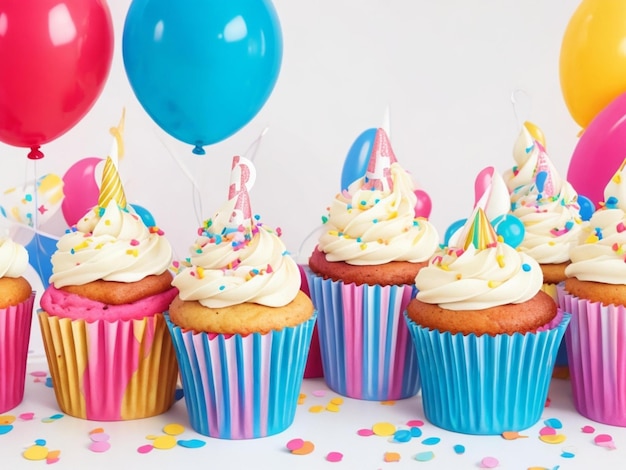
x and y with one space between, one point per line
242 387
596 347
110 370
367 352
561 357
486 384
313 368
15 325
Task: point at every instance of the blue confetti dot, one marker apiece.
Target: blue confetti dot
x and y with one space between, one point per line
459 449
416 432
402 435
567 455
191 443
5 428
40 442
49 382
424 456
553 423
526 267
431 441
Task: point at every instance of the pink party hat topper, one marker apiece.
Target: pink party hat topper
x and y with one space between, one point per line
544 174
242 177
491 193
378 174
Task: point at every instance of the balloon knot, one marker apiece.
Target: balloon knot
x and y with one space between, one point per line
198 150
35 153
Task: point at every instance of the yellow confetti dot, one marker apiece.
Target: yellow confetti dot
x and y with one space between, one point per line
553 439
332 407
174 429
7 419
316 409
337 401
36 453
384 429
151 437
164 442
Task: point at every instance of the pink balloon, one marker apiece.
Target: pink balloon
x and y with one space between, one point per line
423 205
482 182
80 189
600 151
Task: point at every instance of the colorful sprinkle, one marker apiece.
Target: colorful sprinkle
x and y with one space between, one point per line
588 429
391 457
415 422
26 416
365 432
5 428
459 449
173 429
402 435
35 453
144 449
512 435
384 429
191 443
553 438
489 462
604 440
334 456
99 446
553 423
547 431
425 456
431 441
319 393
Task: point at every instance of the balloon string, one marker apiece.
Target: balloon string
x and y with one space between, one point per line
254 146
516 103
35 222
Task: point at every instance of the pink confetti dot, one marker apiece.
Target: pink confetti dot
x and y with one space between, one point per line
145 448
26 416
489 462
99 446
334 456
99 437
365 432
602 438
39 373
588 429
318 393
295 444
415 422
547 431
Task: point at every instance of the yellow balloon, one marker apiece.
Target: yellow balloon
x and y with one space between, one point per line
592 62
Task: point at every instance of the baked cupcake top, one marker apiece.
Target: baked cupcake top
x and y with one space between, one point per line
373 222
110 243
13 258
601 255
480 272
236 259
546 204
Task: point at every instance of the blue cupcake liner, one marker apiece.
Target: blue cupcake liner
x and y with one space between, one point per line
242 387
486 384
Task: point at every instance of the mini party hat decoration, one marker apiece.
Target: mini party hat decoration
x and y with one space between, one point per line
545 175
378 174
242 177
111 187
480 232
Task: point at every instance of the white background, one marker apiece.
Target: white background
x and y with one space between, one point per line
445 70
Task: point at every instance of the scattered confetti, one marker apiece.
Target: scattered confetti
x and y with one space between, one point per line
144 449
35 453
337 401
553 438
5 428
99 436
26 416
365 432
318 393
301 399
334 456
164 442
52 418
173 429
512 435
588 429
425 456
402 435
295 444
53 456
553 423
459 449
388 402
431 441
7 419
547 431
391 457
316 409
489 462
384 429
416 432
99 446
332 407
99 440
306 448
604 440
415 423
567 455
191 443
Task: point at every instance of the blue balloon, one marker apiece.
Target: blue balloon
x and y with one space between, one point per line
40 250
452 229
510 228
145 215
202 69
355 164
587 208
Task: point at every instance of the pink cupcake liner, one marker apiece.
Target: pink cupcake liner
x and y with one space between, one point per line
367 352
110 370
15 323
468 384
314 368
242 387
596 347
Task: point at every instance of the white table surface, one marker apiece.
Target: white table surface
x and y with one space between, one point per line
329 431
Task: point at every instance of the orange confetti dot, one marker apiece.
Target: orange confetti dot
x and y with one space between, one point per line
7 419
306 448
391 457
388 402
96 431
512 435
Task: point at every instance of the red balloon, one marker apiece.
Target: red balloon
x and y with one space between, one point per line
55 57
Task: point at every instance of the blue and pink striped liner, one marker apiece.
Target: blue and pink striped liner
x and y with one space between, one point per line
367 351
242 387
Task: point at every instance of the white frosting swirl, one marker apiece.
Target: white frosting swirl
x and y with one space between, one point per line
13 258
525 153
458 279
370 227
230 266
601 254
111 244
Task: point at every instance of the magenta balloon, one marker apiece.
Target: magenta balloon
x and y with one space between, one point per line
80 189
423 205
600 151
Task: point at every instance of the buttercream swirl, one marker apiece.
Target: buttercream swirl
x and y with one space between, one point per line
13 258
233 265
112 244
480 273
374 226
600 255
525 153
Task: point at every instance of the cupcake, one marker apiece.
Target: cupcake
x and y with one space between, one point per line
16 310
107 344
595 294
240 323
485 333
361 278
